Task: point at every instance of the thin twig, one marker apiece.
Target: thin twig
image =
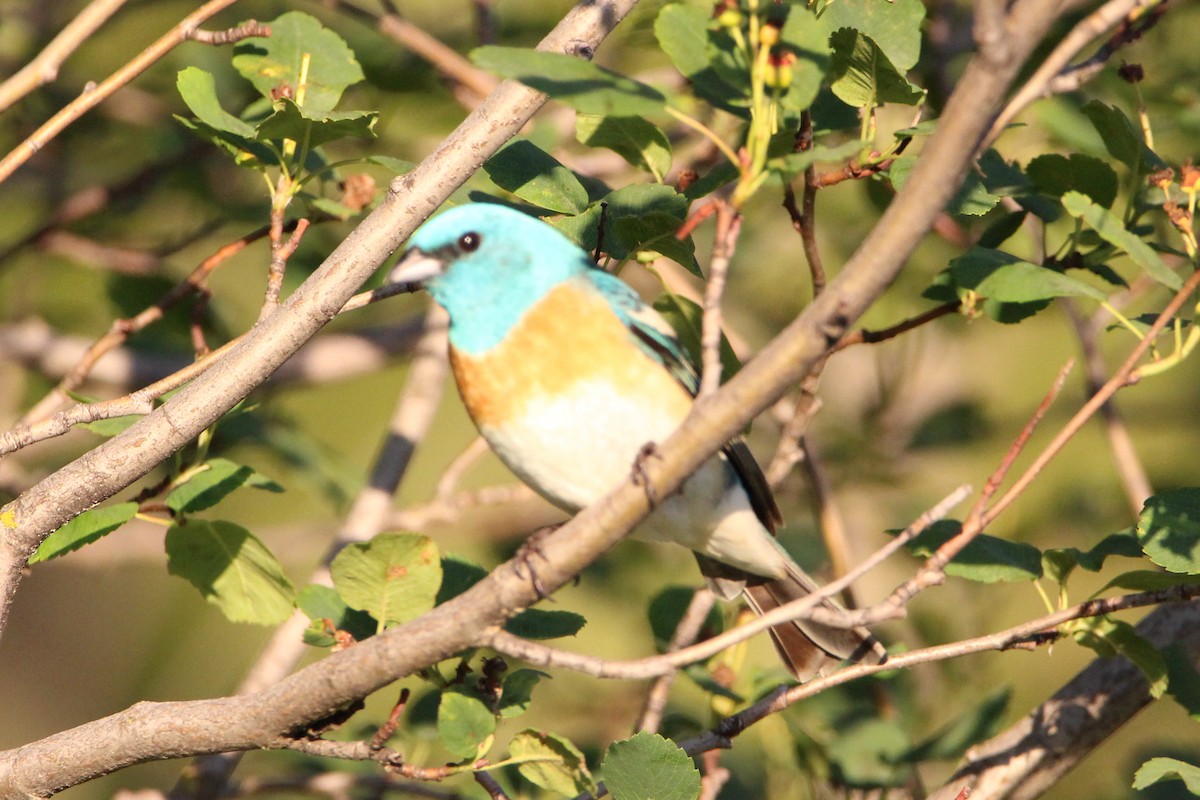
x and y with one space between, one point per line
281 251
655 666
686 632
729 224
864 336
45 65
93 94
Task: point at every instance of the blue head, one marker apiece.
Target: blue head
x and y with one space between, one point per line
486 265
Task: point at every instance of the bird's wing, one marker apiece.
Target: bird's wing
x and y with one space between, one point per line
655 336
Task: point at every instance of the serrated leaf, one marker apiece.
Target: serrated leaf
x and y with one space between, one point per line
1055 175
275 62
465 724
1120 137
639 200
538 623
208 486
793 164
1110 228
584 86
518 692
232 569
639 142
1167 769
894 26
985 559
863 76
648 767
394 577
304 124
88 527
969 728
1169 530
320 603
972 198
682 33
1005 278
199 91
537 177
559 767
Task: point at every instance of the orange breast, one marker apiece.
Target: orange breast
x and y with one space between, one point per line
571 335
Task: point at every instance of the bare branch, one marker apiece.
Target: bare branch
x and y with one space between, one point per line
93 95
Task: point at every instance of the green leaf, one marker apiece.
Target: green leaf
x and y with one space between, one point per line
232 569
559 767
986 559
290 121
1108 637
1121 138
683 34
687 318
1183 680
518 692
110 427
807 38
1167 769
863 76
320 603
1114 232
655 232
537 623
1148 580
1005 278
1055 175
199 91
394 577
969 728
88 527
466 726
894 26
793 164
276 62
667 609
208 486
584 86
458 575
972 198
1059 563
537 177
868 754
650 200
639 142
648 767
1169 530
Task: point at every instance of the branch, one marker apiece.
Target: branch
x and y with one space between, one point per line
116 463
44 67
1027 759
93 95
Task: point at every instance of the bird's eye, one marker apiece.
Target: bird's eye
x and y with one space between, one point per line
469 242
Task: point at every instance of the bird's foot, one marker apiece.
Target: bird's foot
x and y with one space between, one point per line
523 560
641 476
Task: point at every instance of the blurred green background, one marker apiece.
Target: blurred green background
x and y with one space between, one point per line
902 424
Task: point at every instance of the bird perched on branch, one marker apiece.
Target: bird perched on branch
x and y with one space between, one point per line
568 375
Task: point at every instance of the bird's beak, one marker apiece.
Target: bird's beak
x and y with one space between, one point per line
415 268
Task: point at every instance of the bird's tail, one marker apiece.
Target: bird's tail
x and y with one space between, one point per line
809 648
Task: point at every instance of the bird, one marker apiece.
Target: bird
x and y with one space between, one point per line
569 375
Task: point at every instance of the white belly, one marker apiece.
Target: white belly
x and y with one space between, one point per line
575 448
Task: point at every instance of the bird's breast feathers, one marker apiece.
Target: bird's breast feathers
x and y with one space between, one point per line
567 398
